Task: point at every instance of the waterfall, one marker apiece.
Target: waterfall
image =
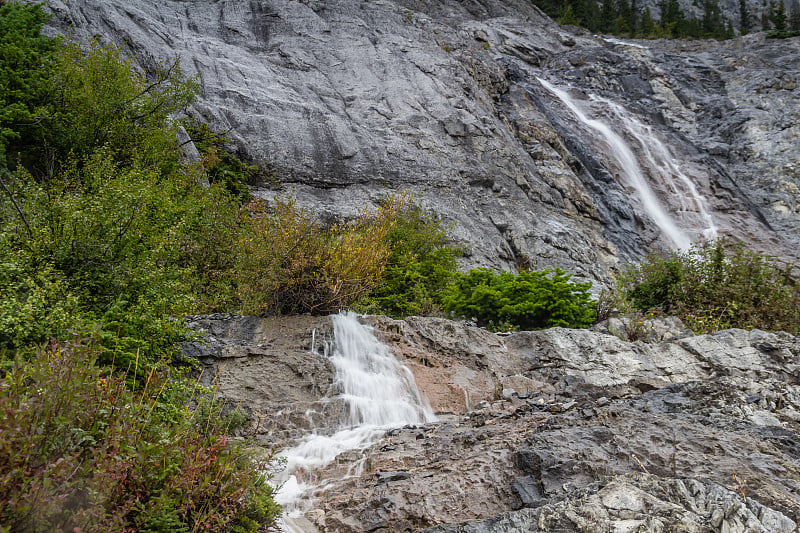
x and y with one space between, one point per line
380 393
661 165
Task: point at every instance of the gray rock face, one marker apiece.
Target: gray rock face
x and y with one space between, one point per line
275 369
353 100
553 430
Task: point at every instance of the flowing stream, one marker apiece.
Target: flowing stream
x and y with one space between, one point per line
380 394
661 165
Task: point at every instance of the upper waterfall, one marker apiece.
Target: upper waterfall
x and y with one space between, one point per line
661 165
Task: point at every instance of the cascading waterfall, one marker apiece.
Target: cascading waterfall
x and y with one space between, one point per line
380 394
661 164
664 167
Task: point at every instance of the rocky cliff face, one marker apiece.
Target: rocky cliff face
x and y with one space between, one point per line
554 430
353 100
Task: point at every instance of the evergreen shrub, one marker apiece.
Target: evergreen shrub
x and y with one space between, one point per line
528 300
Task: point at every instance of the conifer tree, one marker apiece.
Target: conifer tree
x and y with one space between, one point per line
744 18
607 16
633 18
794 16
778 16
648 26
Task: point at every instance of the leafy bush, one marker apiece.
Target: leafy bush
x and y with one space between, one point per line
715 286
291 263
528 300
419 269
80 452
105 236
119 250
26 62
100 99
220 164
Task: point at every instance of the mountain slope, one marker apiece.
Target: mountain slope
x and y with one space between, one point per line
351 100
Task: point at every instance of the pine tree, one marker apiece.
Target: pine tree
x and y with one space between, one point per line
744 18
712 25
592 15
568 16
607 16
765 24
648 27
794 16
633 18
778 16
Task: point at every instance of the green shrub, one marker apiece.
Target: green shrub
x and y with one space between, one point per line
220 164
420 267
81 452
528 300
717 285
100 99
26 63
105 236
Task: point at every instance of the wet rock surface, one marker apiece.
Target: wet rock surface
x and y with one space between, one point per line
553 430
273 368
350 100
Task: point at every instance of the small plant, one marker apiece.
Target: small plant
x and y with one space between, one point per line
528 300
741 486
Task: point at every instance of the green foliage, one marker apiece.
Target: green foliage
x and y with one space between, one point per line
528 300
419 269
118 250
717 286
26 62
80 452
104 235
778 16
783 34
34 303
621 17
220 164
97 98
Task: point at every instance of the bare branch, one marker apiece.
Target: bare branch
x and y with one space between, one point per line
13 201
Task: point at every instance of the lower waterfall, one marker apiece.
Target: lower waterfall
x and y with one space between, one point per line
380 394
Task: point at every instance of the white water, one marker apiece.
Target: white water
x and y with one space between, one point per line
664 167
661 165
613 40
380 394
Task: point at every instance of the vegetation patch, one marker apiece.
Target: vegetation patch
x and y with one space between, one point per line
528 300
82 452
715 286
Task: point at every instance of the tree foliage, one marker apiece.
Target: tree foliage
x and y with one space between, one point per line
528 300
26 63
625 17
